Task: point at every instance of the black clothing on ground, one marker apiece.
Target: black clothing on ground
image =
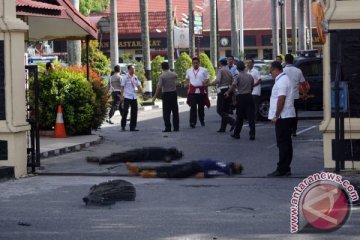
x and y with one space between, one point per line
143 154
284 144
170 105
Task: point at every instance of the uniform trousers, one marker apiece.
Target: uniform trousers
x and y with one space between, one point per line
197 108
223 108
245 108
284 143
183 170
134 111
115 104
170 105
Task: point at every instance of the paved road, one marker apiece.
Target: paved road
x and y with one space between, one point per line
249 206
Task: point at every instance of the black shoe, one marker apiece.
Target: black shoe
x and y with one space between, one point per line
252 138
294 134
221 130
166 130
232 127
276 173
235 136
203 124
134 130
192 125
176 129
109 121
123 129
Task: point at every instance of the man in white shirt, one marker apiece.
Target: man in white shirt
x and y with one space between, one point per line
296 79
257 84
197 77
232 65
281 114
129 85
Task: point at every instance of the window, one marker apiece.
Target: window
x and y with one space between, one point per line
311 69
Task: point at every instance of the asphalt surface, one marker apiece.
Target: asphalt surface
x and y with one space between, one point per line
247 206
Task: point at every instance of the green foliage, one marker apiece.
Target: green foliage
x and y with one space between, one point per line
206 63
93 6
156 70
182 64
83 102
98 61
126 58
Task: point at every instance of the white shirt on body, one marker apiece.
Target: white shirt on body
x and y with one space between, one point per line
296 77
233 70
130 84
197 77
256 75
282 87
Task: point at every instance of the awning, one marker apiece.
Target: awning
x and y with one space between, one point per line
58 20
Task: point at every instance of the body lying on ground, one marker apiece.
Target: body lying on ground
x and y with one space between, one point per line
153 154
200 168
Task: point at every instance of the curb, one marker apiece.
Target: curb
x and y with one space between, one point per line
74 148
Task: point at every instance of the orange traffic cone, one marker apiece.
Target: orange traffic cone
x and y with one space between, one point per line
59 125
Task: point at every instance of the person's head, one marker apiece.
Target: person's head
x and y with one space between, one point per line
117 69
195 62
230 60
275 69
131 69
278 59
240 66
49 66
250 63
165 66
223 62
289 59
236 168
175 153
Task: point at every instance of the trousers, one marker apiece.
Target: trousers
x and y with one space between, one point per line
284 143
134 111
245 108
170 105
183 170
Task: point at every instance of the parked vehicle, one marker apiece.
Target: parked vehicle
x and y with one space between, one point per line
312 69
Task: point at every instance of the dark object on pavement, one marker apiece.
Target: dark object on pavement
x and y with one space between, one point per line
24 224
157 154
108 193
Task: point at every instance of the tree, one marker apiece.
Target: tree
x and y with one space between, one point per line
156 69
98 61
93 6
206 63
182 64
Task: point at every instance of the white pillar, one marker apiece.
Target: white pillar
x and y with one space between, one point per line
114 42
13 125
74 46
241 28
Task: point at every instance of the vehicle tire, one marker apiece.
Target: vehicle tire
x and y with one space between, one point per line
263 111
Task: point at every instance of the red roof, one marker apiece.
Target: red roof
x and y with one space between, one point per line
39 5
257 14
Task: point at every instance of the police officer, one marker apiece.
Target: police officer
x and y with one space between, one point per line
115 85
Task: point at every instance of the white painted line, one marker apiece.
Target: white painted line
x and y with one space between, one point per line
305 130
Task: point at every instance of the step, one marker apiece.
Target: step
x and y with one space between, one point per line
6 172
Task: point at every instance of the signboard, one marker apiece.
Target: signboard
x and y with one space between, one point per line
181 37
198 23
136 43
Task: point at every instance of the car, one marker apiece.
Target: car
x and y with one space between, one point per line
312 69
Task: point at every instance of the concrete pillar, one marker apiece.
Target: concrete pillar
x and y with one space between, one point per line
170 33
275 29
309 16
213 34
74 46
294 25
241 29
234 28
301 21
114 42
191 29
284 44
13 125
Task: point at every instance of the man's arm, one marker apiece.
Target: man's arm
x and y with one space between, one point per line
158 89
122 93
279 108
230 90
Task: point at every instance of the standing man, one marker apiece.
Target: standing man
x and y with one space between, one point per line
257 84
198 77
167 84
296 79
129 85
281 114
245 104
280 60
232 65
223 81
115 87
